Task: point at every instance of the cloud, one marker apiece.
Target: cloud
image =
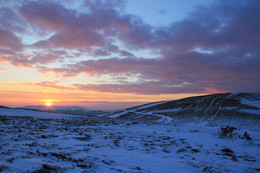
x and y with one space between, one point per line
105 66
145 88
48 84
10 20
31 59
214 48
83 30
9 40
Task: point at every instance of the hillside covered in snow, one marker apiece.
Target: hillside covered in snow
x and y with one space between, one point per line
214 133
232 106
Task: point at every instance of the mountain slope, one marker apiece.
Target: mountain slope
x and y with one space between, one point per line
201 108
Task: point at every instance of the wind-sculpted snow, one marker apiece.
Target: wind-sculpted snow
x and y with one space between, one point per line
100 144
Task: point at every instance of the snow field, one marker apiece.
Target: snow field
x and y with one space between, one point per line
102 145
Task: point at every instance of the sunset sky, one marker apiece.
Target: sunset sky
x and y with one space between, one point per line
112 54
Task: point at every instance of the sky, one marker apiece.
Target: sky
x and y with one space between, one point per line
114 54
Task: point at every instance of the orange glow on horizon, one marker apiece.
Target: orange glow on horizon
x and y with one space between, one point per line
19 94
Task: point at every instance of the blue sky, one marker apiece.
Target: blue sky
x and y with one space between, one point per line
162 12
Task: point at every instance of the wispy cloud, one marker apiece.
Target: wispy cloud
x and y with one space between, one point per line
48 84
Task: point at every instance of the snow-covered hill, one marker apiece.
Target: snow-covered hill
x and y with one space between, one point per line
200 109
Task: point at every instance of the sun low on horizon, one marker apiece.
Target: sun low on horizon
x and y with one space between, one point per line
115 54
48 104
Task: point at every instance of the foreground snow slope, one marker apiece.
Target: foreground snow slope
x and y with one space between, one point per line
101 144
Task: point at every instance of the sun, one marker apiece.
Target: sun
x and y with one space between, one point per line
48 104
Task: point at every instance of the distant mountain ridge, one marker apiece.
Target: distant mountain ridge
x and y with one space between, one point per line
3 106
74 110
200 108
44 108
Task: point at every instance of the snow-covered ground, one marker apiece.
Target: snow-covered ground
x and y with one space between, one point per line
100 144
255 103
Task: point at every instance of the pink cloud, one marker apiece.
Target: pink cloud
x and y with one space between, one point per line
9 40
32 59
48 84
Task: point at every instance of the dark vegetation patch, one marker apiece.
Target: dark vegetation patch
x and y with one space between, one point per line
84 138
46 168
108 162
3 167
231 102
229 132
84 166
229 152
181 150
138 168
194 150
61 156
209 169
